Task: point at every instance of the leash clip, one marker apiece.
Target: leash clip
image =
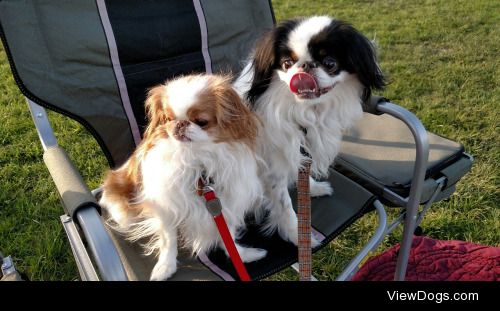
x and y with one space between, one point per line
214 206
207 189
212 202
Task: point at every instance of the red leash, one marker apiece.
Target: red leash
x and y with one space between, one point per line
215 208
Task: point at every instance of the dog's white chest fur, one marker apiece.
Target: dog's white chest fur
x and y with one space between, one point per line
284 119
170 175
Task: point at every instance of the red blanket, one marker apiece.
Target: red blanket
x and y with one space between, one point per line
435 260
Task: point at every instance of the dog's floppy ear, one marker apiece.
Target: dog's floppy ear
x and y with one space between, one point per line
363 59
262 65
265 57
155 110
235 119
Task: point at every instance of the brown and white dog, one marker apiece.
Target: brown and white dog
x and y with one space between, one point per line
198 126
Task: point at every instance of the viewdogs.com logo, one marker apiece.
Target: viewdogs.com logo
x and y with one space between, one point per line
436 297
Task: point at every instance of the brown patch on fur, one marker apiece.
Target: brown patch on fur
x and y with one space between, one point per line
229 119
156 109
169 113
204 109
122 185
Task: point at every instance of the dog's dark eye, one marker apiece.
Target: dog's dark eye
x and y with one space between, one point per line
201 122
330 63
286 64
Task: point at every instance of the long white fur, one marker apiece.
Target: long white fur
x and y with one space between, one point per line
283 114
170 175
170 172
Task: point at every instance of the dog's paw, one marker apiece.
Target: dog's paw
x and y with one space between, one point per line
320 188
249 254
289 233
314 241
163 270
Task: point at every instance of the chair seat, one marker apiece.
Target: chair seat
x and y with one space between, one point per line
139 266
379 152
330 216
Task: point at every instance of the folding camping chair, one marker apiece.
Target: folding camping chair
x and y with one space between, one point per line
93 60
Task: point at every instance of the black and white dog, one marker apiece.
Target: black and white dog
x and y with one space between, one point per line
306 80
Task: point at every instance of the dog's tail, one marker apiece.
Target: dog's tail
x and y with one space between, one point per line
120 194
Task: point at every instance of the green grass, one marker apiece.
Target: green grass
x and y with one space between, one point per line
442 61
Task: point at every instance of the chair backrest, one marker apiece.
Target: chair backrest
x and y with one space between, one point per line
93 60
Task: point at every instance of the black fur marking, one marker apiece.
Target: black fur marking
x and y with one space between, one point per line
353 52
268 54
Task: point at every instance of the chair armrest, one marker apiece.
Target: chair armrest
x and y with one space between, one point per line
73 191
99 242
80 204
371 105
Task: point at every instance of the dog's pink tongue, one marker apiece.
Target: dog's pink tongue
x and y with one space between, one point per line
303 82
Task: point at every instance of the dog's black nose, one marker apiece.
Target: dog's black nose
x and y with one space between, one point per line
180 130
181 125
309 65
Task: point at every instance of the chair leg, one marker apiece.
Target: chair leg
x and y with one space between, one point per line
404 249
421 156
411 227
372 244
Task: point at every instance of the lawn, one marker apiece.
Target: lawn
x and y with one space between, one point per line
442 61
